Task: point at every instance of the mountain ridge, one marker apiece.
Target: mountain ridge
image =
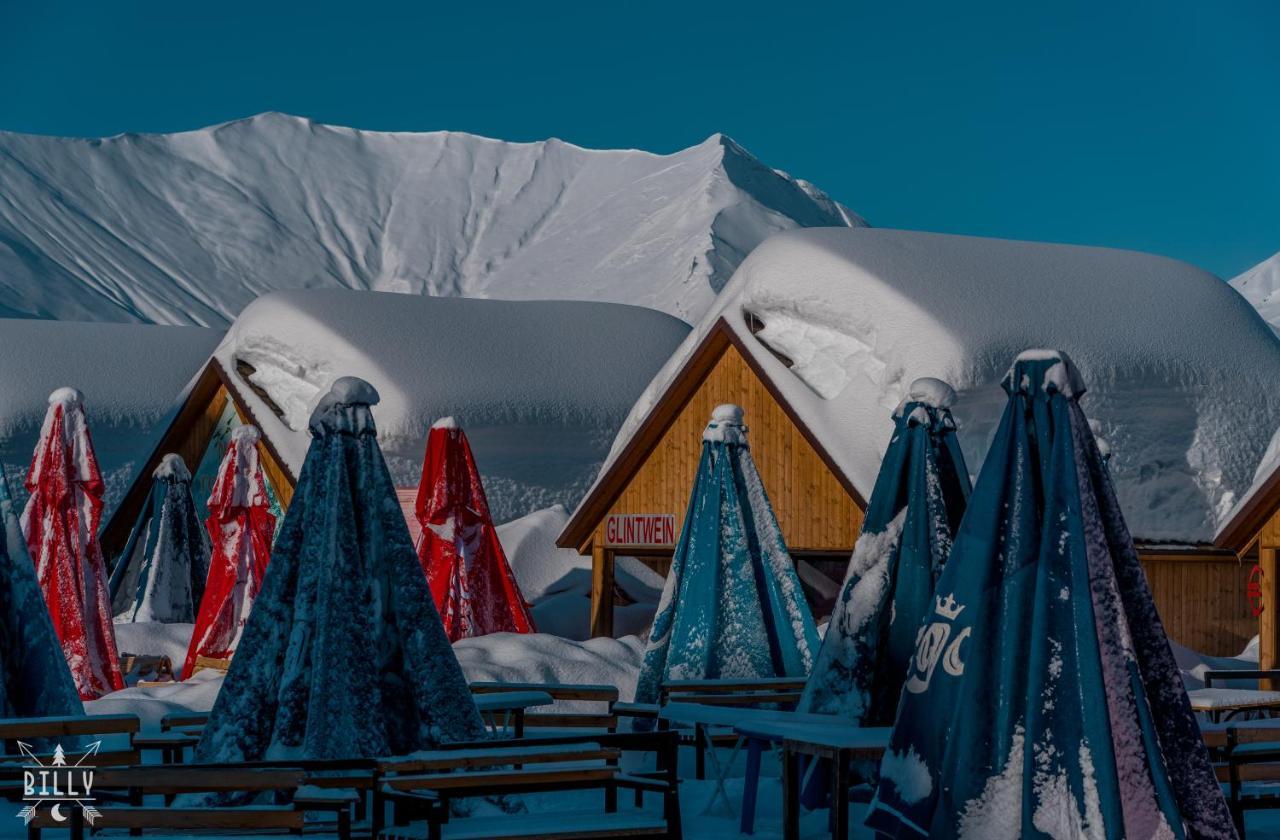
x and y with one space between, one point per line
187 228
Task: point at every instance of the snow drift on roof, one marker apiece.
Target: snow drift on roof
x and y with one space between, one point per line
1181 372
541 387
130 376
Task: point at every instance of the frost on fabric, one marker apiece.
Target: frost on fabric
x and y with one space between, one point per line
840 683
160 575
60 523
466 567
996 813
732 605
344 654
240 526
908 773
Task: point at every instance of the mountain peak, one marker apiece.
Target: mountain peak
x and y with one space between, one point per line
1260 286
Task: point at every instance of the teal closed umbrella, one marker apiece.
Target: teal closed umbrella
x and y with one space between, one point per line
732 606
915 507
1043 699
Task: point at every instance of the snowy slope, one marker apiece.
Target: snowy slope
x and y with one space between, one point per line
1181 371
539 386
130 375
188 228
1260 286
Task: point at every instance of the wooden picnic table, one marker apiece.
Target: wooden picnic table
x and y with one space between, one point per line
1220 702
511 704
840 742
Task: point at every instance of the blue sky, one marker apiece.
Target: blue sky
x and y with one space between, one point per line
1147 125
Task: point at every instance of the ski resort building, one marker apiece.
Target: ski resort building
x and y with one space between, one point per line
542 387
820 331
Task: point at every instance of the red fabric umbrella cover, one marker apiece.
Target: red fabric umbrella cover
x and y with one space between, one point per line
472 584
240 526
60 523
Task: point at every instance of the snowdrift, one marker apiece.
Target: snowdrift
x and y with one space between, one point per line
130 375
189 228
541 387
1181 369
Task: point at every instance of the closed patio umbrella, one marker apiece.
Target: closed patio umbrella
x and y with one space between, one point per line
732 606
1043 699
914 509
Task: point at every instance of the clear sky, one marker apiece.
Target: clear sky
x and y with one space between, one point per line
1139 124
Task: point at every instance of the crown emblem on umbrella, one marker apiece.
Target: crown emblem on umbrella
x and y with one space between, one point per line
948 609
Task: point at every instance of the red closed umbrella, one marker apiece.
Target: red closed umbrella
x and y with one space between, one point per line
470 579
240 527
60 523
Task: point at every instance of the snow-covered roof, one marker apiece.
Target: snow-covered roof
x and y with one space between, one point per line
129 375
1181 373
540 387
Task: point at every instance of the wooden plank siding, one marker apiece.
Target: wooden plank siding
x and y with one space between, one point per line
1201 598
813 508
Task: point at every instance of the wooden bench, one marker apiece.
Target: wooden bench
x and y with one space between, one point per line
420 787
207 662
133 784
605 694
25 730
1247 762
183 721
704 688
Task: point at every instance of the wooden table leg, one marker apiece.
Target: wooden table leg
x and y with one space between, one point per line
790 795
699 752
840 795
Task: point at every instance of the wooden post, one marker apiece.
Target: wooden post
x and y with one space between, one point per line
601 590
1268 625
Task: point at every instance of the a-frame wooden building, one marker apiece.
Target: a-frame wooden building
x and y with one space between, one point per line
818 507
209 403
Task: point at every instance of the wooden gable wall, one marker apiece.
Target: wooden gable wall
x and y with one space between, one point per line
815 510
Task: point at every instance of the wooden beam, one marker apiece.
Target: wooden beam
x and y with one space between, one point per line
601 591
1268 626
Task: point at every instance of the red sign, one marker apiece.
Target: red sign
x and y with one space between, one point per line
657 530
1254 591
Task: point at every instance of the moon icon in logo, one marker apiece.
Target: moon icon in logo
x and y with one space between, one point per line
56 813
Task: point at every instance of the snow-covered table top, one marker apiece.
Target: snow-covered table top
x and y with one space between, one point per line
506 701
1226 699
730 716
841 736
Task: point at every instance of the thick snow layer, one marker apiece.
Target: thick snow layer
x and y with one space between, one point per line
541 387
1260 286
129 375
557 581
189 228
1180 371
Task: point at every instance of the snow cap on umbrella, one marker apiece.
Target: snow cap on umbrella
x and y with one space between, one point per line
471 581
912 515
60 523
1044 605
344 655
240 525
160 575
732 606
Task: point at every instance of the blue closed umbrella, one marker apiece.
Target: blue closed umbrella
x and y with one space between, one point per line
915 507
344 654
160 576
36 679
1042 699
732 606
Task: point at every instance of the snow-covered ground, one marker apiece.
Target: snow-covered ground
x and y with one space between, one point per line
188 228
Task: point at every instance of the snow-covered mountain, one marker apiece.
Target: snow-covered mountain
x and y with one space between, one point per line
1260 286
188 228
